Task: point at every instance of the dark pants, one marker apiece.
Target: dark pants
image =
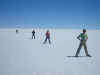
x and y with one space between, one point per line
82 43
33 35
47 38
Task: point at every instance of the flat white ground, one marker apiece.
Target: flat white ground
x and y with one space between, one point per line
21 55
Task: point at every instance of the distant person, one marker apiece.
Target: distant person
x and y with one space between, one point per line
17 31
83 39
47 37
33 34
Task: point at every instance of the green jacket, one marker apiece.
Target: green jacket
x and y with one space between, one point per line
83 37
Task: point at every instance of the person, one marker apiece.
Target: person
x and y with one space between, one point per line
17 31
33 34
47 37
83 39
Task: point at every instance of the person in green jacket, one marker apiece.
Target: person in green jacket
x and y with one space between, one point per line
83 39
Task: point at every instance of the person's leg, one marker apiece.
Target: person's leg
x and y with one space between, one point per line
49 41
85 48
79 48
34 36
45 40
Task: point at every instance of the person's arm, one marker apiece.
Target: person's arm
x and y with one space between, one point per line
79 37
86 37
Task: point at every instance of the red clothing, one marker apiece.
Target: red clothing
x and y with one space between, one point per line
47 34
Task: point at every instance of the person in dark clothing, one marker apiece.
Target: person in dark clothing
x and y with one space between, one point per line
17 31
33 34
47 37
83 39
